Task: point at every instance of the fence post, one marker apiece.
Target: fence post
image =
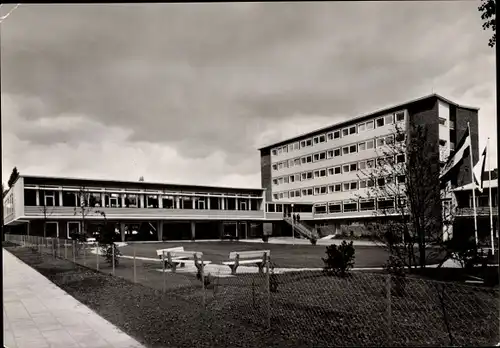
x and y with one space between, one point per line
97 255
164 271
202 271
113 257
74 254
65 249
58 247
389 310
268 293
84 253
135 275
52 247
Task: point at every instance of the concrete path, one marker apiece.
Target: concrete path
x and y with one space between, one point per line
37 313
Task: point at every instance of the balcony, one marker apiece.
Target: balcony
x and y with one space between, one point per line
480 211
149 213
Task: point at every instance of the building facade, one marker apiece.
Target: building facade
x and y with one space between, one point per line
139 210
323 167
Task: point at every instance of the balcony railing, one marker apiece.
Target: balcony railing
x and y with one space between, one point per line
149 213
480 211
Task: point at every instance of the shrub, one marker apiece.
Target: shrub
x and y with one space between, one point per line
313 240
265 238
464 251
207 279
339 259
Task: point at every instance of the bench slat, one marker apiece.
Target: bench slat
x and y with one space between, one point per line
160 251
243 262
249 254
188 254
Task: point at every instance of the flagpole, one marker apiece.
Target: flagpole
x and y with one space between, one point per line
490 197
473 187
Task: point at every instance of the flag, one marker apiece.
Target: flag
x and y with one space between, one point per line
463 147
479 171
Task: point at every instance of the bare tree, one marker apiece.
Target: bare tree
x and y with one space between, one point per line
46 211
85 207
402 184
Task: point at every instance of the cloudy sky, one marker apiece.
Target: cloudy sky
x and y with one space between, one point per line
188 92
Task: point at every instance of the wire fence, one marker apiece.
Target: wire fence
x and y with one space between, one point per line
312 307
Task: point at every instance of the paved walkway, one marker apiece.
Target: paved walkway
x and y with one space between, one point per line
36 313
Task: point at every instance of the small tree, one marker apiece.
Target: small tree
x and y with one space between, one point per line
339 259
13 177
411 208
107 240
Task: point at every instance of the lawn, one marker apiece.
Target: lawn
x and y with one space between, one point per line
308 309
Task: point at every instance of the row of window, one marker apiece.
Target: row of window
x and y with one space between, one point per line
341 169
359 205
346 186
341 133
117 200
340 151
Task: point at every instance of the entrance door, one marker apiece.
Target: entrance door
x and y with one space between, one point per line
52 229
73 227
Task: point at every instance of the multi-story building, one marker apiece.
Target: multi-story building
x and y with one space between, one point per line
139 210
321 168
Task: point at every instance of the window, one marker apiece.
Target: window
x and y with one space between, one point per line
316 190
329 154
400 137
361 127
352 130
370 183
380 161
353 167
380 142
400 158
400 116
275 181
362 165
388 119
303 176
285 180
361 146
334 208
370 164
389 140
290 163
131 201
336 152
350 206
389 180
335 188
345 168
305 143
354 185
319 156
442 121
346 186
362 184
367 204
320 209
319 139
320 190
370 144
285 148
381 182
280 181
345 150
306 159
274 152
292 178
386 203
353 149
336 135
49 198
296 162
336 170
330 171
380 122
369 125
329 136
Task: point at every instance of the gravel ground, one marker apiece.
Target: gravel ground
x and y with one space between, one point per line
309 308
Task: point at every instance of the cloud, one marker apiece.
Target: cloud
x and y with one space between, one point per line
198 87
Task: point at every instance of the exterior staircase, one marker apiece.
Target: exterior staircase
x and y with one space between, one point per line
302 229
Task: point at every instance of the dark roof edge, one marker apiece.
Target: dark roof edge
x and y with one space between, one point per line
366 115
140 182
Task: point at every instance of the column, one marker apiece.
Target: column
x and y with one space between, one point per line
223 199
103 199
221 229
37 193
208 203
160 230
141 201
237 203
60 197
238 225
177 202
123 200
193 230
160 201
122 231
193 200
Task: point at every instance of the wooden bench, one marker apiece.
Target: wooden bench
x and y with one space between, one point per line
175 256
257 257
